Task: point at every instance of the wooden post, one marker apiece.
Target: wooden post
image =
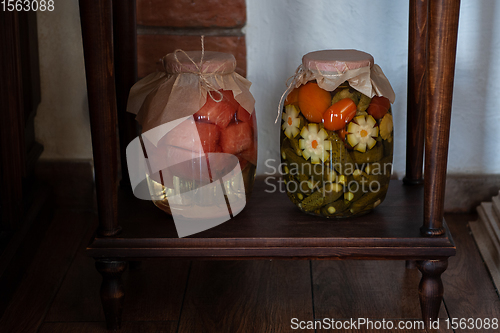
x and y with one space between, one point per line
96 20
443 30
417 55
125 59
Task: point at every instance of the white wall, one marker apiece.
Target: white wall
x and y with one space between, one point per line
279 32
62 121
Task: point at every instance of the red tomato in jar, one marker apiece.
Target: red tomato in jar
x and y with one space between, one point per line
378 107
339 114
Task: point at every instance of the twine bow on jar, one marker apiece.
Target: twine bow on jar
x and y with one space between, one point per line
203 76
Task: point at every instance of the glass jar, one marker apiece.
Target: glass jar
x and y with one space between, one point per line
202 145
199 137
337 134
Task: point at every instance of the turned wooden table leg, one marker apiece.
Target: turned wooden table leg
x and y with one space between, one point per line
410 264
431 287
112 291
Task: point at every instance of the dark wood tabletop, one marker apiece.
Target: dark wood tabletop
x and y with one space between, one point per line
271 226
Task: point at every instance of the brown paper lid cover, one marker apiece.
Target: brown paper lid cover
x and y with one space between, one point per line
337 61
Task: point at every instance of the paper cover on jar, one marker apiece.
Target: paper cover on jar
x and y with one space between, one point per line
182 88
330 68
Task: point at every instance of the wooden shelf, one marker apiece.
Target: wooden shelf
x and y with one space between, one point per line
270 226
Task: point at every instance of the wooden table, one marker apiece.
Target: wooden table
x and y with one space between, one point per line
409 225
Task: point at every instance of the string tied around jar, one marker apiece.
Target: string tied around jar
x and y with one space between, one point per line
202 76
301 75
289 87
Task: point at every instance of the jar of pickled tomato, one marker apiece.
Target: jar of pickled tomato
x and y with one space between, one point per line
337 134
199 136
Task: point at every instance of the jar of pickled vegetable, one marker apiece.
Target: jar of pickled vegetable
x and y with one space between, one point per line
337 134
199 137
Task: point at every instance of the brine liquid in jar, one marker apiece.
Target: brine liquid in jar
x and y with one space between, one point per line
336 146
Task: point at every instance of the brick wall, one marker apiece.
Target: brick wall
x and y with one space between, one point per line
166 25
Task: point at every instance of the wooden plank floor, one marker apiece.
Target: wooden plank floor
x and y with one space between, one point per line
60 292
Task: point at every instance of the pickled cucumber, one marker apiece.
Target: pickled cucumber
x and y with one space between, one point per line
371 155
294 143
334 208
314 201
386 163
364 102
344 179
368 199
380 178
329 175
382 167
285 143
325 195
301 178
355 191
332 192
298 185
362 211
347 93
298 165
293 195
340 158
359 175
304 187
388 147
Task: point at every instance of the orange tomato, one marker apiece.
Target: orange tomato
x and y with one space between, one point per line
293 97
339 114
313 101
378 107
